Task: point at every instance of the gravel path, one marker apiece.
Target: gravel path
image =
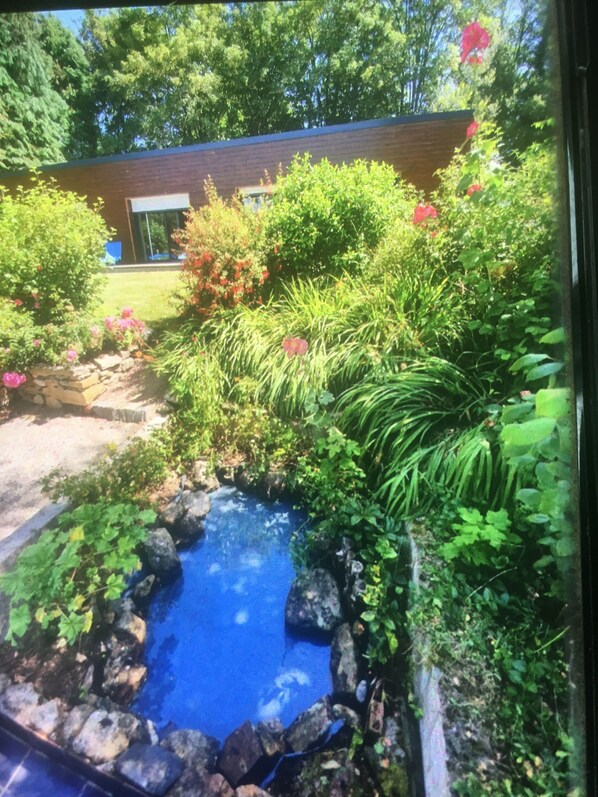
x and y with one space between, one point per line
30 445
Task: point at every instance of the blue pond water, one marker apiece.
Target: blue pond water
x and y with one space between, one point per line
217 650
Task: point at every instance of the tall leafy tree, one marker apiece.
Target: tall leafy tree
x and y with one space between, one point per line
259 86
71 78
158 75
34 118
171 75
520 92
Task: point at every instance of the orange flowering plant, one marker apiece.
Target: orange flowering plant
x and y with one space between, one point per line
223 264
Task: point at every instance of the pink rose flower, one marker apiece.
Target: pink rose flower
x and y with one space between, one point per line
295 346
126 312
37 342
17 302
12 380
472 129
72 355
473 188
95 330
474 37
423 212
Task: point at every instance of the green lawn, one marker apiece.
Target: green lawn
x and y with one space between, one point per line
147 292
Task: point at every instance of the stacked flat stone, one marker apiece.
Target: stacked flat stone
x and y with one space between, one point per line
77 385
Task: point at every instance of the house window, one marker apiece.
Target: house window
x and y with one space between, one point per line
255 196
154 221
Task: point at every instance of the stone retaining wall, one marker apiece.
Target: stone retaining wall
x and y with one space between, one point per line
77 385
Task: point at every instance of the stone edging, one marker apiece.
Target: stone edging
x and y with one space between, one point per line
73 385
427 692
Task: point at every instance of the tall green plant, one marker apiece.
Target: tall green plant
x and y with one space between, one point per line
327 219
428 427
51 250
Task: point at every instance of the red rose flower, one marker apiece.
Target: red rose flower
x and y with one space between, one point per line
472 129
474 37
423 212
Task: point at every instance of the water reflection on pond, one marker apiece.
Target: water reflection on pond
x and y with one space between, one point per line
217 649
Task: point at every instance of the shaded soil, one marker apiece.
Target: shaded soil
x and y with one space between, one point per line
53 671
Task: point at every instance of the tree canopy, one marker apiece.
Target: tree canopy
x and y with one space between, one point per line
160 76
34 118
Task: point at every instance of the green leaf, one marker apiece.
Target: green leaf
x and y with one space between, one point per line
552 402
554 336
147 516
19 619
528 433
527 360
541 371
564 546
368 616
538 517
515 412
529 497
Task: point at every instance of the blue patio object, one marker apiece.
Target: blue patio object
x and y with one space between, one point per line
114 250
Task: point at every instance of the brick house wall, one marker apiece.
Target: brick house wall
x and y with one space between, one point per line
415 146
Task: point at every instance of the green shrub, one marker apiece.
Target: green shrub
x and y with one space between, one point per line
251 430
223 264
326 219
122 476
62 582
51 250
498 245
23 343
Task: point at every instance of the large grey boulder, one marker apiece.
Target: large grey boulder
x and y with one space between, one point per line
150 767
106 734
130 625
202 477
161 556
184 515
191 525
23 704
344 660
195 748
271 736
200 783
173 511
123 679
241 753
275 484
144 590
251 790
313 603
309 726
74 722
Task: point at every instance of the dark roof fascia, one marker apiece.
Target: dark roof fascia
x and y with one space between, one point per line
311 132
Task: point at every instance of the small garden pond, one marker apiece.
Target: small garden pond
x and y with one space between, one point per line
217 649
